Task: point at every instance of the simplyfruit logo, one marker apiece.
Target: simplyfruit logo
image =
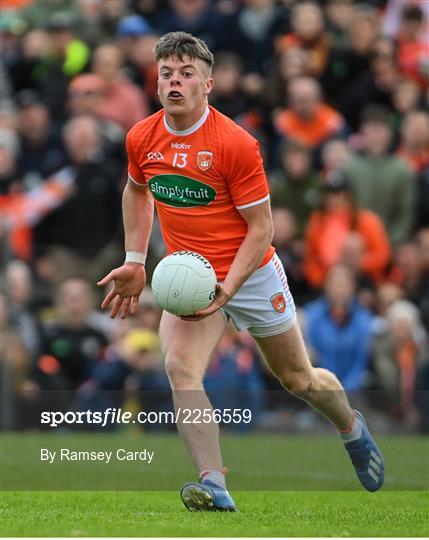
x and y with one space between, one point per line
181 191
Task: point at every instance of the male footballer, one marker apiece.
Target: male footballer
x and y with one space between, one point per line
226 218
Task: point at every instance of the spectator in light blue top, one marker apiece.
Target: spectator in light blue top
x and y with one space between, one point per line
338 329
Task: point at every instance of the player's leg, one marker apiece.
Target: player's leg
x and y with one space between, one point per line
286 356
188 347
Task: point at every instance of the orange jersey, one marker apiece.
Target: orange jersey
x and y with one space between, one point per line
200 178
312 132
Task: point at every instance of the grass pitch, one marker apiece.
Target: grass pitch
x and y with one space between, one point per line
261 514
327 503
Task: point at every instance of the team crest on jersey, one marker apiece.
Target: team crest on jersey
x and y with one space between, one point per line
204 160
278 302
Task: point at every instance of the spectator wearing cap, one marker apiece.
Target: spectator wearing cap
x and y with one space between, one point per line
137 41
135 348
383 183
342 232
307 119
123 102
129 29
338 330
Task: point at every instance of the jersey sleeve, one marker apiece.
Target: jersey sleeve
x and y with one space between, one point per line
244 171
133 152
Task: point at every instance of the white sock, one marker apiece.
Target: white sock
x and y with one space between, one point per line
353 432
217 477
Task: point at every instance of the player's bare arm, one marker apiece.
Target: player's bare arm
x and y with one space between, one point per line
248 257
130 278
254 246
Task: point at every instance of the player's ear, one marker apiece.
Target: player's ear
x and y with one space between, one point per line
209 85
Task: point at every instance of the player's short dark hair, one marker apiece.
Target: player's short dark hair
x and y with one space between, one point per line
180 44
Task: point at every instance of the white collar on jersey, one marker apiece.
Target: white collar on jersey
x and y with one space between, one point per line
191 129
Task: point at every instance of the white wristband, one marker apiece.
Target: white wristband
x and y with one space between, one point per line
135 257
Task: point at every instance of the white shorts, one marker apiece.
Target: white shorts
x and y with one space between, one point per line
263 305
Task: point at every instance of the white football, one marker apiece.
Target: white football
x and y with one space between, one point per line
184 282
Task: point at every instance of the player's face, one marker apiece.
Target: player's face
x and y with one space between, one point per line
183 86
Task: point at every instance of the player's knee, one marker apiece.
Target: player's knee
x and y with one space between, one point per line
300 384
180 375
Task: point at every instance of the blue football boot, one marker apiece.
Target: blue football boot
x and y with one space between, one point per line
206 496
366 458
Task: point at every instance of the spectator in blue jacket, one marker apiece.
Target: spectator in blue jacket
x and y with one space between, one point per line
338 329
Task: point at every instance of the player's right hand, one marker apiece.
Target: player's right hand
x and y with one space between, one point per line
128 282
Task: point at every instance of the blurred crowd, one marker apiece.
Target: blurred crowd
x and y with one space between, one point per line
336 92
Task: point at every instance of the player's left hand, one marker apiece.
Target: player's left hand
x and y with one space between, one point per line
220 299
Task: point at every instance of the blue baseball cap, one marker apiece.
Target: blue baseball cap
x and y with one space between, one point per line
133 25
